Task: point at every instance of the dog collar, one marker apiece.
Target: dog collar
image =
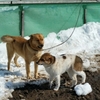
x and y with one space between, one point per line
31 46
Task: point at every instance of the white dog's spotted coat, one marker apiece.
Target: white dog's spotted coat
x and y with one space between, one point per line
56 66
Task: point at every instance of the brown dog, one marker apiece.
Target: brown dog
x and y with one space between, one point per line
30 50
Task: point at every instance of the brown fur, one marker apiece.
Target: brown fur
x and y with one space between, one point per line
30 50
78 64
47 58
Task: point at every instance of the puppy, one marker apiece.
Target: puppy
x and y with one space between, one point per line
56 66
30 50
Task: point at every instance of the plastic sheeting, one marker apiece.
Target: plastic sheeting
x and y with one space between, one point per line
51 18
93 13
45 18
9 20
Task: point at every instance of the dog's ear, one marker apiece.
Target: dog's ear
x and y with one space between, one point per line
52 59
31 36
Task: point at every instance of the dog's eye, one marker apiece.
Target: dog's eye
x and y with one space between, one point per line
42 59
49 59
41 39
37 40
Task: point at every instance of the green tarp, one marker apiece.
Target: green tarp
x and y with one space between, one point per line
51 18
9 20
45 18
93 13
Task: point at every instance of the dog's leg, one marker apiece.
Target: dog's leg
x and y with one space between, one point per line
28 70
74 80
10 53
82 74
51 82
51 79
57 83
72 75
35 70
15 60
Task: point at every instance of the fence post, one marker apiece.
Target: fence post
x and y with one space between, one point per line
22 24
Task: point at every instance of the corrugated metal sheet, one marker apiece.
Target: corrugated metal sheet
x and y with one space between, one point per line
44 1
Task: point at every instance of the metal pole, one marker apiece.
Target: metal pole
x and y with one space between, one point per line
22 23
84 19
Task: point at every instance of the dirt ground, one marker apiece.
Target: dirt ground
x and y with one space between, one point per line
42 92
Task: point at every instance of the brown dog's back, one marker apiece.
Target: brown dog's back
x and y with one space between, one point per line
8 39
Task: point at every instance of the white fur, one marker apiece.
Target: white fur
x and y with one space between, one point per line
62 65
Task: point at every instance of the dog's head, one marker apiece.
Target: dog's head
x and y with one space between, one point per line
36 41
46 59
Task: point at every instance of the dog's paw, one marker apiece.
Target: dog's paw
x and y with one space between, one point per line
36 76
18 65
56 89
29 77
67 84
83 81
43 76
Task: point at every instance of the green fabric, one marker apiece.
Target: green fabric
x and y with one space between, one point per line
51 18
45 18
93 13
9 20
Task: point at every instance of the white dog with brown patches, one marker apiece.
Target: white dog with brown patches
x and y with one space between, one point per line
56 66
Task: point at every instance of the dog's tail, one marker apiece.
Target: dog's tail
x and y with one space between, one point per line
86 63
7 38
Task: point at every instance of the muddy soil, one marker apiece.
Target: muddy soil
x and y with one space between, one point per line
42 92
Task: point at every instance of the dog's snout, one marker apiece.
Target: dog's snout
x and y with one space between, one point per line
40 46
37 62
